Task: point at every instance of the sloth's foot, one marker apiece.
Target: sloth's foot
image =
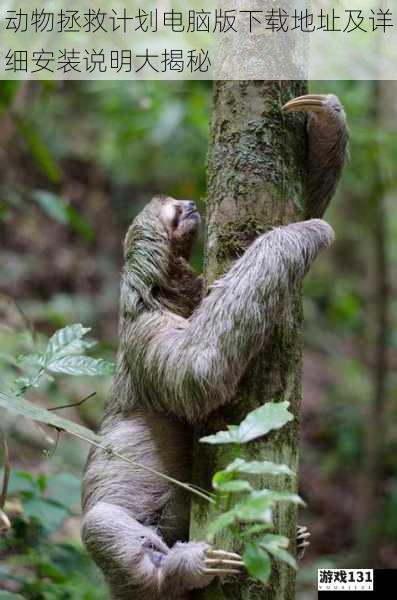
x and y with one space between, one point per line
220 562
315 103
302 540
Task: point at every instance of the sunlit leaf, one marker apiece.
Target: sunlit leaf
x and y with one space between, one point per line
256 507
66 340
276 545
258 467
270 416
81 365
239 485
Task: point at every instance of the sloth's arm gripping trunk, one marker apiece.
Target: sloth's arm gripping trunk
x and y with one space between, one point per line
196 364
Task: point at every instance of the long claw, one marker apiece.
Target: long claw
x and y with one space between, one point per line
307 103
222 561
221 572
223 553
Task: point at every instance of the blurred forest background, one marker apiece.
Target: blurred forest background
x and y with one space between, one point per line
78 160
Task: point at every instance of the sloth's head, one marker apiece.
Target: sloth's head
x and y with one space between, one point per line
181 220
159 237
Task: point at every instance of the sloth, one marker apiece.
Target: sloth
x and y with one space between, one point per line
181 356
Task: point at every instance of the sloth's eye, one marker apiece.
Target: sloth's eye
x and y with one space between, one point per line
178 212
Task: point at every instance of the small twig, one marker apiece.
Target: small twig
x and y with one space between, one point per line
186 486
7 471
79 403
54 449
24 317
6 478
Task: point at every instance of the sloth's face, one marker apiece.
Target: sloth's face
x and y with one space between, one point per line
182 221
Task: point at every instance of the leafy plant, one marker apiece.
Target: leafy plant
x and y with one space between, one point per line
249 517
245 511
43 567
65 353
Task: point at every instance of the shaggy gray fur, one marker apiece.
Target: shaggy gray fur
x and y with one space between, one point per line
180 357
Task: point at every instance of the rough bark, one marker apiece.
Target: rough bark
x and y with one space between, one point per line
255 181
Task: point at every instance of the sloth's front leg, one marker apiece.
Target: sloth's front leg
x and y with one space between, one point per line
327 148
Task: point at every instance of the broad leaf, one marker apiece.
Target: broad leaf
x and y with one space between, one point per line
81 365
273 415
224 520
66 341
222 477
257 562
238 485
254 530
23 407
276 545
276 496
255 508
65 489
258 467
50 514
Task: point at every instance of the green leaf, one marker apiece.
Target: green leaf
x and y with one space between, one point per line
10 596
257 562
52 205
276 496
38 148
81 365
273 415
21 481
276 544
256 507
254 530
66 341
49 514
42 482
238 485
222 477
31 360
20 405
258 467
224 520
64 488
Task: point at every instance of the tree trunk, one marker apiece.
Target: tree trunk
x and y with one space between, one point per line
255 181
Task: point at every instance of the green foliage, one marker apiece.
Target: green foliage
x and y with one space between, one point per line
251 512
59 210
63 354
256 424
44 568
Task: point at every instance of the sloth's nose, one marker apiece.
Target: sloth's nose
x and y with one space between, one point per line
190 205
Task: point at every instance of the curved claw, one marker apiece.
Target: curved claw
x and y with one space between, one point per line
222 554
307 103
216 561
302 539
221 562
222 572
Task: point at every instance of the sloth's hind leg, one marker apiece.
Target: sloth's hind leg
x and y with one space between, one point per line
138 563
128 552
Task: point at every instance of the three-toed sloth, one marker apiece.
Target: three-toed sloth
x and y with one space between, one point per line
181 356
